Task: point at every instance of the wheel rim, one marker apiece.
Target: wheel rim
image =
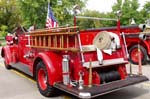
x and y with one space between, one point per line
134 55
42 79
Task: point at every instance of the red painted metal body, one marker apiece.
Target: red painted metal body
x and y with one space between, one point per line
16 53
132 39
21 51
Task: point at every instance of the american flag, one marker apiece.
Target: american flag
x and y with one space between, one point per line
50 20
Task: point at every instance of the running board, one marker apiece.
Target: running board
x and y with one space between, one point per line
22 67
98 90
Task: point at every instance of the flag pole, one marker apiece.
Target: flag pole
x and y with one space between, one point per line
50 20
49 3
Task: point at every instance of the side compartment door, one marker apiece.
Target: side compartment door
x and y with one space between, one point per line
23 50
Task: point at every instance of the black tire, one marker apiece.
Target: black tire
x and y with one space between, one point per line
143 52
49 90
8 67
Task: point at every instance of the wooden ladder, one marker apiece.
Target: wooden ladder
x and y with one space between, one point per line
59 39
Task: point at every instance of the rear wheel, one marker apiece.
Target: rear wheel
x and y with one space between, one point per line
42 80
133 54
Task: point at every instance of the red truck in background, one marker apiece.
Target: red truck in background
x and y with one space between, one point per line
84 63
135 35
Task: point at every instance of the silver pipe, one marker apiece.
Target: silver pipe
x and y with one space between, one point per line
80 46
95 18
124 40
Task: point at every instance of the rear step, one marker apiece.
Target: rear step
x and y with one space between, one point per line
97 90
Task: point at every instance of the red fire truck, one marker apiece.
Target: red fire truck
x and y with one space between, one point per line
84 63
137 35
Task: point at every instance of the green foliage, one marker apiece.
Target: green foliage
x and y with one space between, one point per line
63 12
145 12
3 31
35 11
89 23
9 14
85 23
29 12
129 10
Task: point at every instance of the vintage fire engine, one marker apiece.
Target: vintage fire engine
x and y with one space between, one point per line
84 63
138 35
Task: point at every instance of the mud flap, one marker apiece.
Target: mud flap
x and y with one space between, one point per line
97 90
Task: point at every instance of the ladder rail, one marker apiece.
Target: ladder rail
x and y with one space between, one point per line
58 39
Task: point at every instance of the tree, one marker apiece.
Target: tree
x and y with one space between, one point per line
145 12
91 23
3 30
88 23
129 10
35 11
9 14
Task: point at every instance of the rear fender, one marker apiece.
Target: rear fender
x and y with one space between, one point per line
52 66
6 54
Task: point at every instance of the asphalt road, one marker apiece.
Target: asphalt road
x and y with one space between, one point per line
14 85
